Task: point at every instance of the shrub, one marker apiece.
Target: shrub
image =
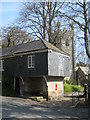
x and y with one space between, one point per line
73 82
72 88
67 88
7 86
67 81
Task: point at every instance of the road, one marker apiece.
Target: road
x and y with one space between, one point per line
13 107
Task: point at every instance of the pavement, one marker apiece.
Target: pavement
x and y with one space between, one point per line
13 107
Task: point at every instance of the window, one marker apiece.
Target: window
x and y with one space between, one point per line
1 65
67 42
31 61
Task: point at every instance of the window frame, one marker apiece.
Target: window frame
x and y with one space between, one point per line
30 61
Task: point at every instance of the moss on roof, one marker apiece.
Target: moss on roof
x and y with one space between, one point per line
29 47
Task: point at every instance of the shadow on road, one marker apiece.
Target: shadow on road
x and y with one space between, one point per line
20 108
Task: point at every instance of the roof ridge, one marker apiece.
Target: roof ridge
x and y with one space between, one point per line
60 50
21 44
25 47
32 45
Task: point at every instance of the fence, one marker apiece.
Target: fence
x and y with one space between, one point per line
77 97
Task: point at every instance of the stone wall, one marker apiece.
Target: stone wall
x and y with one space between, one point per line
63 41
55 88
51 87
33 86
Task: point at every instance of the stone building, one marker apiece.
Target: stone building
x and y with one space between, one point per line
82 74
37 68
64 40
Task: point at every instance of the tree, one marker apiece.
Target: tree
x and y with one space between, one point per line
39 17
81 64
78 15
13 35
79 11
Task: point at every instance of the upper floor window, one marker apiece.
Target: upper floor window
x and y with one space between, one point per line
31 61
1 65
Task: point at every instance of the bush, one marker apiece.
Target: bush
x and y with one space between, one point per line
73 82
7 86
67 88
67 81
72 88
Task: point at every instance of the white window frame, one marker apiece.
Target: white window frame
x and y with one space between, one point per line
1 65
30 61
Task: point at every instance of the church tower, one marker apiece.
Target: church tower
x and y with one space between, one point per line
64 40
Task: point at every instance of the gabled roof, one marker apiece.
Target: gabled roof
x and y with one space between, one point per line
84 69
35 45
52 47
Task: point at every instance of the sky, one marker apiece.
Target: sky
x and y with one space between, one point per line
9 12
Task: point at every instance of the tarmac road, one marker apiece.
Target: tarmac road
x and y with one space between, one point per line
24 108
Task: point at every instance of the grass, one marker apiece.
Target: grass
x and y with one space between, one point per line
72 88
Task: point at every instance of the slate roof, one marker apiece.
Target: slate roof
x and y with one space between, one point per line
84 69
29 47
